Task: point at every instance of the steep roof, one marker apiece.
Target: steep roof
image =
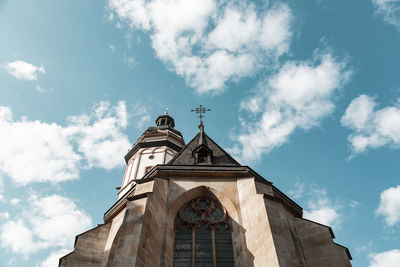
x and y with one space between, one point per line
219 156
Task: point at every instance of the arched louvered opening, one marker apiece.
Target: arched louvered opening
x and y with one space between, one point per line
203 235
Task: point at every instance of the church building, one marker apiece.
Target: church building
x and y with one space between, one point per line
193 205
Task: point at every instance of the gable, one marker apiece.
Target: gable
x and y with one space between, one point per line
219 156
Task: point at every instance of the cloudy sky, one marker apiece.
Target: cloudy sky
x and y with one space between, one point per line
306 92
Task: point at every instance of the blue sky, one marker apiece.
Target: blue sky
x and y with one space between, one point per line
305 92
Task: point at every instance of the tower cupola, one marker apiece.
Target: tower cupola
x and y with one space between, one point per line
157 145
165 121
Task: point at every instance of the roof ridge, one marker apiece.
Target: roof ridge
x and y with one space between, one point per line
180 152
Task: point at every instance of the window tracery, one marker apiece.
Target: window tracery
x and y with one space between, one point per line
203 235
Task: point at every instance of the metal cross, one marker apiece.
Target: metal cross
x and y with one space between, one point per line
201 110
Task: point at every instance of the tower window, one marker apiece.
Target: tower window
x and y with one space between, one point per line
203 235
147 169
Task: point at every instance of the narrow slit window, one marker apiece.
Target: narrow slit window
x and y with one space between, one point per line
147 169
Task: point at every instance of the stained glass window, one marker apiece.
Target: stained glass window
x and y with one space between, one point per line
203 235
203 246
183 247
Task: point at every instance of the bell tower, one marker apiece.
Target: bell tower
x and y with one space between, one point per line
157 145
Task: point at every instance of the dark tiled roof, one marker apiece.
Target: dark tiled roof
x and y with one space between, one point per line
219 156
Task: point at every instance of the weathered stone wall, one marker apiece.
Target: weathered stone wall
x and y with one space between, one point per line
115 226
89 248
223 190
319 248
266 230
259 238
151 237
126 242
286 241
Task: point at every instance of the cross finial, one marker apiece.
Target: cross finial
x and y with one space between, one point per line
201 110
166 111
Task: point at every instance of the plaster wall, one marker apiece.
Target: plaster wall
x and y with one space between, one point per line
128 171
149 158
127 182
137 165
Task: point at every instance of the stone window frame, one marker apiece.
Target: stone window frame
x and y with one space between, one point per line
147 169
212 221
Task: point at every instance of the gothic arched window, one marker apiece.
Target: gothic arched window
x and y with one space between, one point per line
203 235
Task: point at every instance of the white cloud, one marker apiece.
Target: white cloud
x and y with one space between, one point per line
53 259
354 204
99 135
325 215
1 182
298 190
389 10
42 149
372 128
19 238
389 258
359 113
321 209
299 96
4 215
129 61
141 115
389 206
112 48
41 90
47 150
210 42
46 222
56 220
15 201
364 247
23 70
318 206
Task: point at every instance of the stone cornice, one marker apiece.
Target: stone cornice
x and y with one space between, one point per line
117 206
202 171
165 171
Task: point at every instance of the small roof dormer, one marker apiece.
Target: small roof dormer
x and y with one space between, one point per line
202 150
202 153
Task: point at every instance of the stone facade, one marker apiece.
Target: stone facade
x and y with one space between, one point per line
267 227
